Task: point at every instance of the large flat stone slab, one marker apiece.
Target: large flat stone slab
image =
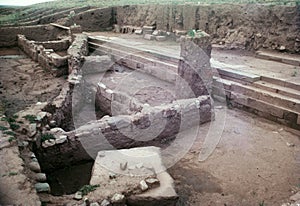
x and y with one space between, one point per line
122 171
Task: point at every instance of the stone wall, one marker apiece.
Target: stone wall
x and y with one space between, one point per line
8 35
237 26
124 131
47 58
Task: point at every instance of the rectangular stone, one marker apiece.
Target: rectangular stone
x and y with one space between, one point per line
149 37
238 74
121 171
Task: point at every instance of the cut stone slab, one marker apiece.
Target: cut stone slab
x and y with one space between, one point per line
279 57
96 64
243 76
132 166
138 31
149 37
161 38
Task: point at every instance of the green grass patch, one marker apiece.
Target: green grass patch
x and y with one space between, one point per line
88 188
14 126
12 173
11 139
11 133
30 118
47 136
2 128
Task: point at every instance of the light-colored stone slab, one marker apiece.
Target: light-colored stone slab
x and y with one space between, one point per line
131 167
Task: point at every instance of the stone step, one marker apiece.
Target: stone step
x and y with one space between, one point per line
278 89
284 83
281 100
267 96
235 74
269 111
279 57
159 69
147 53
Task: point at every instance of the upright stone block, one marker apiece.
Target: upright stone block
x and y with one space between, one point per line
194 69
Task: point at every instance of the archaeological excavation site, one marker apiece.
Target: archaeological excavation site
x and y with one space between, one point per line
148 103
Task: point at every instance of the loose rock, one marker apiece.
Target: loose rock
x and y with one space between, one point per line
118 198
143 185
105 203
40 177
78 195
34 166
42 187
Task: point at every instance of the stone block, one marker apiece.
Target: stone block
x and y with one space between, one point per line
96 64
132 166
149 37
161 38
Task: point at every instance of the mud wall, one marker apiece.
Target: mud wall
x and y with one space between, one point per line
8 35
237 26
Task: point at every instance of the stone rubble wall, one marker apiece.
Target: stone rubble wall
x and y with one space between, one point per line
84 143
47 58
251 26
56 45
76 51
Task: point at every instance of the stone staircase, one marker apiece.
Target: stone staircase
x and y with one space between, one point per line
275 99
266 97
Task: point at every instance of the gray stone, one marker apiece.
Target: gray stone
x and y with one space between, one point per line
118 198
41 115
61 139
156 33
149 37
149 27
48 143
282 48
180 32
152 182
138 31
143 185
96 64
40 177
94 204
42 187
34 166
32 129
52 123
133 179
295 197
105 202
78 195
161 38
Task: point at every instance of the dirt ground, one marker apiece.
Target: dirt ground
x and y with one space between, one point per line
257 162
23 82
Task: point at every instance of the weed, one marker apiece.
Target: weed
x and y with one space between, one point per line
88 188
12 173
2 128
10 133
14 126
11 139
262 203
294 73
30 118
47 136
